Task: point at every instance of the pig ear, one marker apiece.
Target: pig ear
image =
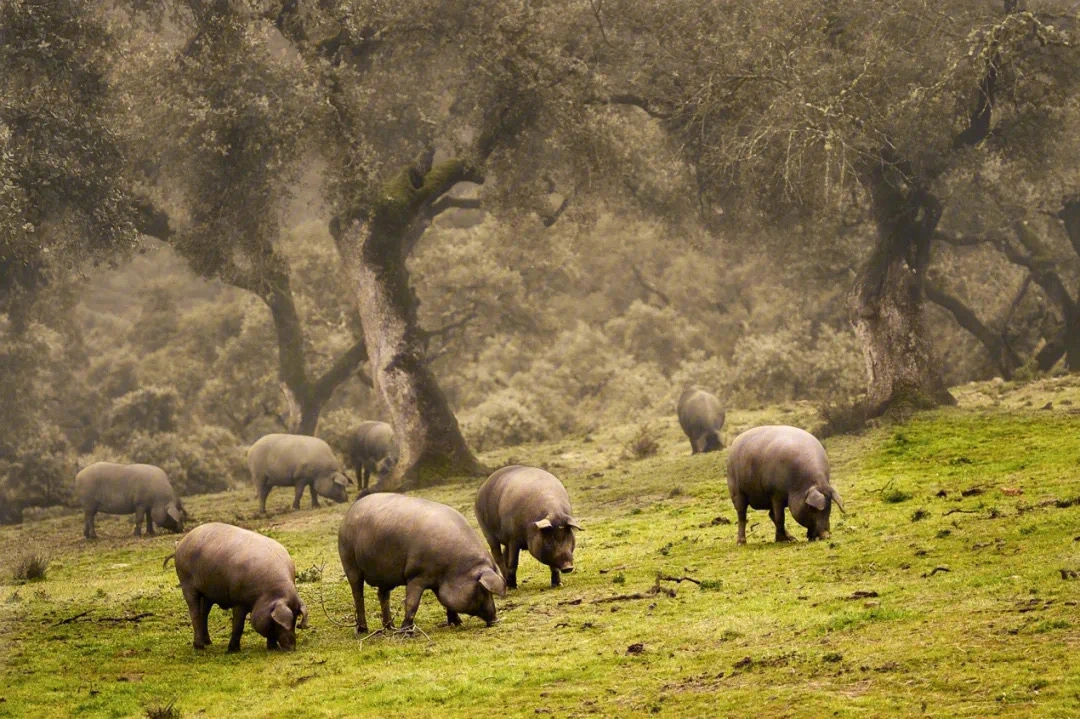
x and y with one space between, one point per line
492 582
543 524
815 498
341 479
571 522
173 512
282 615
836 498
303 613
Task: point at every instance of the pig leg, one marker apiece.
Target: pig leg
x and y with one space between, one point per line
741 503
452 618
88 524
555 577
356 583
150 524
140 512
195 602
384 605
264 492
413 591
314 497
496 550
239 614
513 553
299 495
776 514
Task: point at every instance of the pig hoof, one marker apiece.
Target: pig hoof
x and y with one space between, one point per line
233 649
362 631
199 645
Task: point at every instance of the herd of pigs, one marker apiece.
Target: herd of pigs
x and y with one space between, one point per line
387 540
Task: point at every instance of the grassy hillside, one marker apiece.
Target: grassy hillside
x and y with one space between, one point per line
940 593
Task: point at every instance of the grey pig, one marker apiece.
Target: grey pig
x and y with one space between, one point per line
525 507
388 540
244 571
701 416
125 488
295 460
372 451
776 466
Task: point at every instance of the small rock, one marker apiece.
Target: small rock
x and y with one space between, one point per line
636 648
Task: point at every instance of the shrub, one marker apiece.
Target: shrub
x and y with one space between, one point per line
163 711
643 444
840 417
209 459
150 410
30 566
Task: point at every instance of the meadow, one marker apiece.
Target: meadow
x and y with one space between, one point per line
949 589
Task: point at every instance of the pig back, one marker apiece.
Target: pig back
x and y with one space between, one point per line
370 442
516 496
699 411
392 538
232 565
117 488
282 459
775 459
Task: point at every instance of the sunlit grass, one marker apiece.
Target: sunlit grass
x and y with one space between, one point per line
965 612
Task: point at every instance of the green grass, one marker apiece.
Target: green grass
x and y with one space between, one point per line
964 613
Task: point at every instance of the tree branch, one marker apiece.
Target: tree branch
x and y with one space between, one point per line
343 367
551 219
637 101
447 202
649 287
1000 353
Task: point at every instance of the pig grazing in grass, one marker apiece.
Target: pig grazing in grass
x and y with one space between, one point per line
299 461
244 571
776 466
372 451
526 507
125 488
701 416
388 540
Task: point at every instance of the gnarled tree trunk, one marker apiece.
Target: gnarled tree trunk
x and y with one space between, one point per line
886 302
374 249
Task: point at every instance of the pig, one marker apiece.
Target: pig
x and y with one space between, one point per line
388 540
295 460
244 571
372 450
776 466
701 417
125 488
525 507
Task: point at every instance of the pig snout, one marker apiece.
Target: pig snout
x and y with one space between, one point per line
566 567
287 641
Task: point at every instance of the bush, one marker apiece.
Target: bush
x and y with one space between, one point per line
163 711
842 418
209 459
150 410
36 473
643 444
31 566
508 418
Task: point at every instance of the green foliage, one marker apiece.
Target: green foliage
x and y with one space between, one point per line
204 459
149 410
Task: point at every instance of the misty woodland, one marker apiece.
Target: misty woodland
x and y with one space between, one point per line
397 294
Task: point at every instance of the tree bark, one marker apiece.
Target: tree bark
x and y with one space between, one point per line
886 302
374 249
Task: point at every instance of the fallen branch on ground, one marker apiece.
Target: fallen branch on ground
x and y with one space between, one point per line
69 620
